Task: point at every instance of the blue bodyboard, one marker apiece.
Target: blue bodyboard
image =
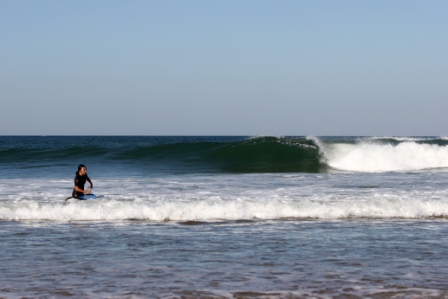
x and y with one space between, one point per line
87 197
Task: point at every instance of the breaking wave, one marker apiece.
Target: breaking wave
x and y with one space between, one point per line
387 154
235 155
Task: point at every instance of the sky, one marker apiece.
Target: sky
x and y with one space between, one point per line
224 67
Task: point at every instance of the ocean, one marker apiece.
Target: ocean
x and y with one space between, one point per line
225 217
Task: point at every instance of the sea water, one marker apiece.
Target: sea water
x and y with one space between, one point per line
225 217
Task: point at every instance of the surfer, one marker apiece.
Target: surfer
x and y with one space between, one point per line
80 180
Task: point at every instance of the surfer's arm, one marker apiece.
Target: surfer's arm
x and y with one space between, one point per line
90 182
77 189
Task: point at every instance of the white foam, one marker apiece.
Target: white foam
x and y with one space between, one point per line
375 157
232 197
399 138
214 208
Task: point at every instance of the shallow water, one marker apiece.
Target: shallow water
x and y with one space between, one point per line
280 259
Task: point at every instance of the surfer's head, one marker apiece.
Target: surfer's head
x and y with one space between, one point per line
82 169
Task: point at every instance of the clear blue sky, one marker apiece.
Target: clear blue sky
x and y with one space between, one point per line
224 67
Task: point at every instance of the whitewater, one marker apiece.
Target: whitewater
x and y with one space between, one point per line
225 217
242 197
372 155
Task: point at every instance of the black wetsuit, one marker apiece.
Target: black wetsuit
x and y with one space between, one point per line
80 181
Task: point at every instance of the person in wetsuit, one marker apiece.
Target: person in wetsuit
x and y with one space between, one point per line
80 180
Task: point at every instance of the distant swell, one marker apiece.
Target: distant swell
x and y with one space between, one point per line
261 154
